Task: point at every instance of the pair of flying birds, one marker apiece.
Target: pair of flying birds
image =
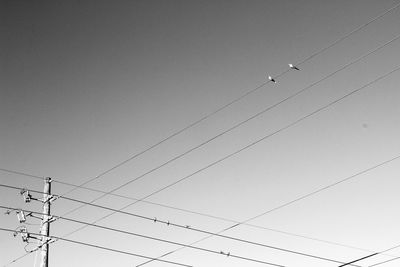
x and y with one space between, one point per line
290 65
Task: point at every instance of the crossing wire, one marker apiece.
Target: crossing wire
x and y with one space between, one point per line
152 238
319 190
179 226
251 144
292 202
340 39
236 126
237 99
98 247
246 147
379 253
194 212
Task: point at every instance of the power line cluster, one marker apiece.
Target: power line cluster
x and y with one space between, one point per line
47 239
168 223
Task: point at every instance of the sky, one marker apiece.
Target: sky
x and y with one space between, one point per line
85 85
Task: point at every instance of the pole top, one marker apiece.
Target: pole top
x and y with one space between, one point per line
48 179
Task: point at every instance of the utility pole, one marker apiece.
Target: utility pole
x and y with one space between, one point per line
45 231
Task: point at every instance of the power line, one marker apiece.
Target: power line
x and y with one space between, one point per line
292 202
175 225
99 247
199 213
321 189
151 238
360 259
272 134
342 38
380 253
256 115
347 35
248 146
239 98
236 224
236 126
22 173
195 212
384 262
41 178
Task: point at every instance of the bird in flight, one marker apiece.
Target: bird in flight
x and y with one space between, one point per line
293 67
271 79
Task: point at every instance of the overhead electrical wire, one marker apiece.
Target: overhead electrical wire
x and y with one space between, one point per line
196 213
347 35
340 39
246 147
378 253
98 247
236 126
237 224
180 226
384 262
239 98
292 202
251 144
294 123
153 238
359 259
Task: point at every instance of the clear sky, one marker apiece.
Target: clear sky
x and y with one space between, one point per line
85 85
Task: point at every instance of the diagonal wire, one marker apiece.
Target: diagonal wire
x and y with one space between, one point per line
201 214
319 190
254 143
188 246
99 247
349 34
259 140
384 262
153 238
340 39
292 202
239 98
238 125
381 253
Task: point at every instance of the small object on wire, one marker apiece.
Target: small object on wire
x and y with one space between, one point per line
271 79
226 254
187 226
155 219
168 223
293 67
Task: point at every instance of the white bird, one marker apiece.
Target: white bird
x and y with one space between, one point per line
293 67
271 79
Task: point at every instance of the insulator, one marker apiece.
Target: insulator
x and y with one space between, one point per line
21 216
24 235
27 196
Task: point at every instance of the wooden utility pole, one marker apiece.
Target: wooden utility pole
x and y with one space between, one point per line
45 231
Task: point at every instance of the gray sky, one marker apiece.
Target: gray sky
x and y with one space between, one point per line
87 84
